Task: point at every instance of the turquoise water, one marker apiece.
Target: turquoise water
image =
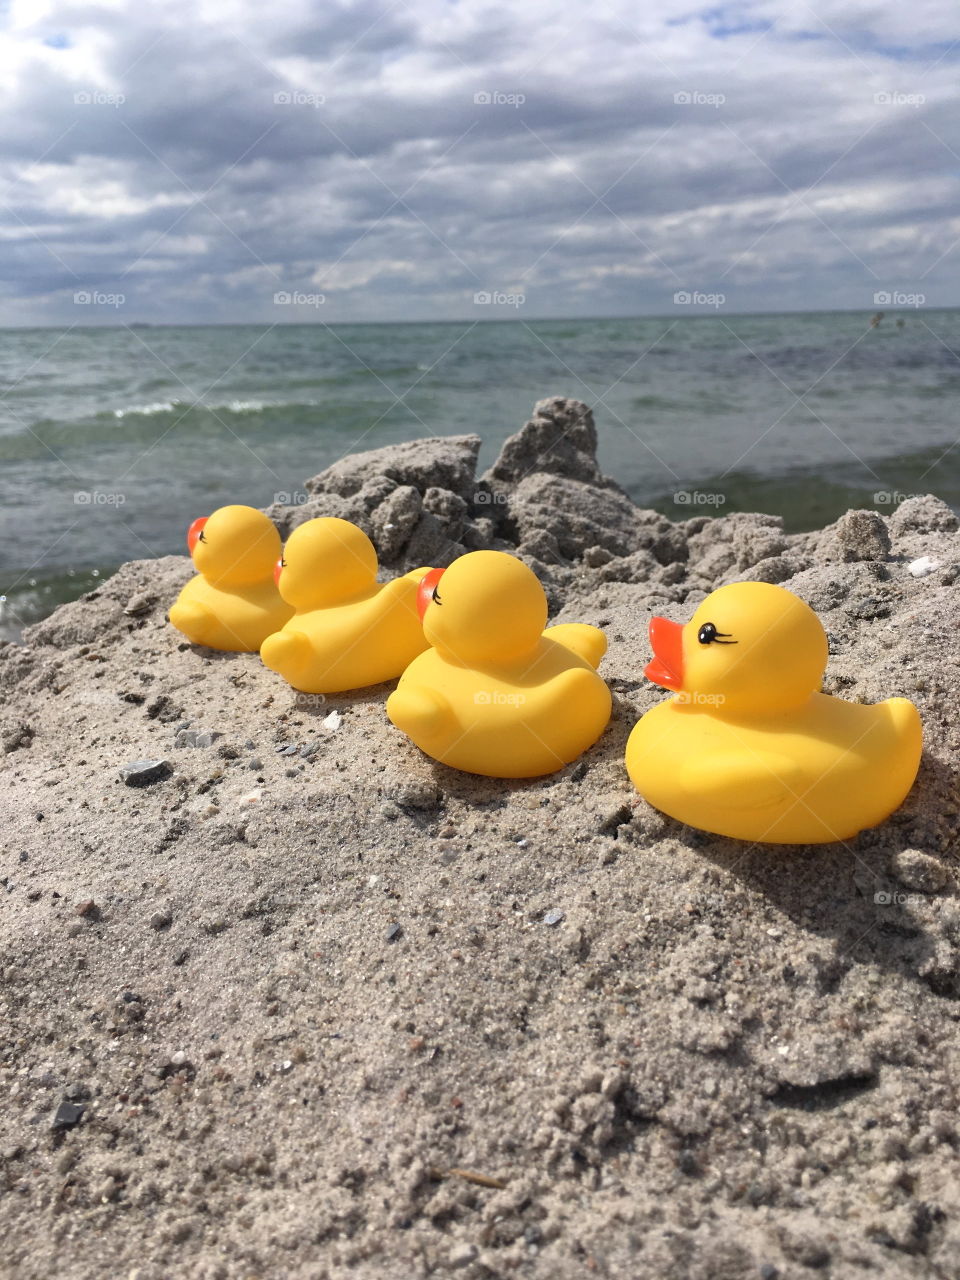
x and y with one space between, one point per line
112 440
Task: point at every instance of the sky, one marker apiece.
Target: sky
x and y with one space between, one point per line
219 161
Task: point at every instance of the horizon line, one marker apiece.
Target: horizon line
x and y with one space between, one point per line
706 314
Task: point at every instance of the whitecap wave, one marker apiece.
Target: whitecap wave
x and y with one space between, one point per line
217 406
145 410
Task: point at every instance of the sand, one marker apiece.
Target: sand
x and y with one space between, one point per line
306 1005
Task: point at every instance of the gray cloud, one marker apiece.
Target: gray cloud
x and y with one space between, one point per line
397 158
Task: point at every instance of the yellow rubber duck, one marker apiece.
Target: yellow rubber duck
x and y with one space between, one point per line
496 694
749 747
347 630
233 602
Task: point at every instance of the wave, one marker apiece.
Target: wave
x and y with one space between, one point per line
225 406
145 410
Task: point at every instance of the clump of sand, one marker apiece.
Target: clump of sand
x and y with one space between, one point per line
307 1005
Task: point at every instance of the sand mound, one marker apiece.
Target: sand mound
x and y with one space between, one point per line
291 1001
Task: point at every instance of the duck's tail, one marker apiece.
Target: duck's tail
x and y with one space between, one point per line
588 643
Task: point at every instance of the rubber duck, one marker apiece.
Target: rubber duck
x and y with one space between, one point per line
233 602
347 630
749 747
496 694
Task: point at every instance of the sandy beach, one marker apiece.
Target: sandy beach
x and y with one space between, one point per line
298 1004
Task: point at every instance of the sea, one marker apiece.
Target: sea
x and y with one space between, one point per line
112 439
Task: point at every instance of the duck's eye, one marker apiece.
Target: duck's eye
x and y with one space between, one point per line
708 634
436 596
202 537
283 563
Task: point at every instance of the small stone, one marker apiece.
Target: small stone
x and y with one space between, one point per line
205 739
213 925
185 738
416 794
462 1255
161 920
282 746
67 1115
138 605
292 750
88 909
393 932
255 763
139 773
769 1272
24 856
309 748
178 1059
920 871
921 567
553 917
333 720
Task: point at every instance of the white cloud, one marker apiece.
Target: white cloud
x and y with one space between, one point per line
399 157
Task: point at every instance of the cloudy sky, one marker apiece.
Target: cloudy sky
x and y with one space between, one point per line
225 160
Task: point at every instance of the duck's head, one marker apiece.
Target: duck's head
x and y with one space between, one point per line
486 608
235 547
325 561
750 647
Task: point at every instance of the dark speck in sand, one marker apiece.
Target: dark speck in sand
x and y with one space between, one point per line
553 917
393 932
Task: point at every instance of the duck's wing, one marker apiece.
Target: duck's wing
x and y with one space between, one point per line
580 638
744 779
193 618
420 712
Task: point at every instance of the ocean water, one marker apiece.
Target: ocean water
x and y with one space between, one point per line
113 439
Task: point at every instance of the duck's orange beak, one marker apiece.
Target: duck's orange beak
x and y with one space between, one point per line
277 570
428 584
195 530
666 641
